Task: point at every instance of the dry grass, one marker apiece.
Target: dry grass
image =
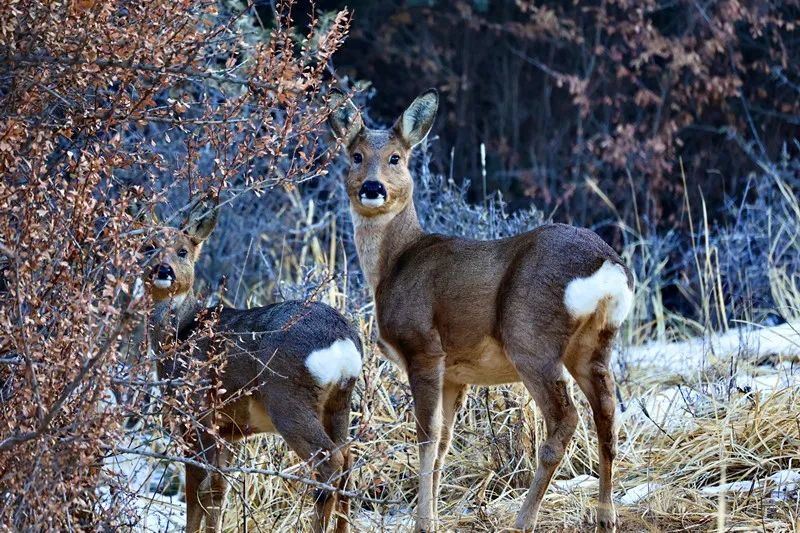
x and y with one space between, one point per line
717 434
490 464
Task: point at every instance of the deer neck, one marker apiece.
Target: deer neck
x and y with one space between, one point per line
381 239
172 315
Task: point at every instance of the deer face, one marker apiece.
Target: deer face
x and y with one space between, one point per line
173 275
379 181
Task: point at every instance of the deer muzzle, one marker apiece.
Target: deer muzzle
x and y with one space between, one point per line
163 276
372 194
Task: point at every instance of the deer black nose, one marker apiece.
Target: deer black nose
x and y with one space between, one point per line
372 190
164 271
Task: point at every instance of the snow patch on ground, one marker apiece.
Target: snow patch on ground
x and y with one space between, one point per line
676 406
783 484
689 355
146 490
581 482
398 520
639 493
669 406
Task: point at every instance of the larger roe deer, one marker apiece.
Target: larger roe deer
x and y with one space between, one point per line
455 312
290 368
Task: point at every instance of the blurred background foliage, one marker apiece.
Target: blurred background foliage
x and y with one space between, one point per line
563 92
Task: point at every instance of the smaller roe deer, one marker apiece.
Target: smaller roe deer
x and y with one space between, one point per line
289 368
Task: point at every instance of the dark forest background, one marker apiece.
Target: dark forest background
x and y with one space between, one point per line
574 97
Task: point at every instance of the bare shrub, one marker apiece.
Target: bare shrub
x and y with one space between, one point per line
104 103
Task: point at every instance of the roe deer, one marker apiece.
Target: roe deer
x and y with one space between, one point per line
289 368
455 312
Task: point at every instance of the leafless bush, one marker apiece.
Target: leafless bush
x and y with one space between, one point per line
107 104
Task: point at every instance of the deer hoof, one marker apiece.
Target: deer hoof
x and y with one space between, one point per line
606 521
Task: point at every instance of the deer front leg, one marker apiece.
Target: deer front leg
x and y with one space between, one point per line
194 511
425 376
453 396
214 488
206 490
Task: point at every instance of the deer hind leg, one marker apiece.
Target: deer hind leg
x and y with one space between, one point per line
544 378
588 360
425 375
296 419
337 426
453 396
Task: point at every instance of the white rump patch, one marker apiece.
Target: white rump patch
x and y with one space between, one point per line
372 202
337 363
583 295
162 283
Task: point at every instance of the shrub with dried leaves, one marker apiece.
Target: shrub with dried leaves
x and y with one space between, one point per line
104 105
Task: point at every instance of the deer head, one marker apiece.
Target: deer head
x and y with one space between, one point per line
173 276
379 181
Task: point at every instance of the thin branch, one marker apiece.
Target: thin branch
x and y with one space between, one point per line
249 470
41 59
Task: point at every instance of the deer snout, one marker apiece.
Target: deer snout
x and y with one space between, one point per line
163 276
372 194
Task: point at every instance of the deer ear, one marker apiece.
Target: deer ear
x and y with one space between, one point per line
345 119
201 219
416 122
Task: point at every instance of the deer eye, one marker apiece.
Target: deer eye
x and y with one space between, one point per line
183 252
394 159
357 158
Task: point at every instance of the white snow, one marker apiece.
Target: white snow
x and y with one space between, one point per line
400 520
584 481
135 479
733 486
783 483
787 483
669 407
673 406
689 356
639 493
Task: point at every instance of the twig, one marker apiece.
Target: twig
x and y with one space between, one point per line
44 425
250 470
42 59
